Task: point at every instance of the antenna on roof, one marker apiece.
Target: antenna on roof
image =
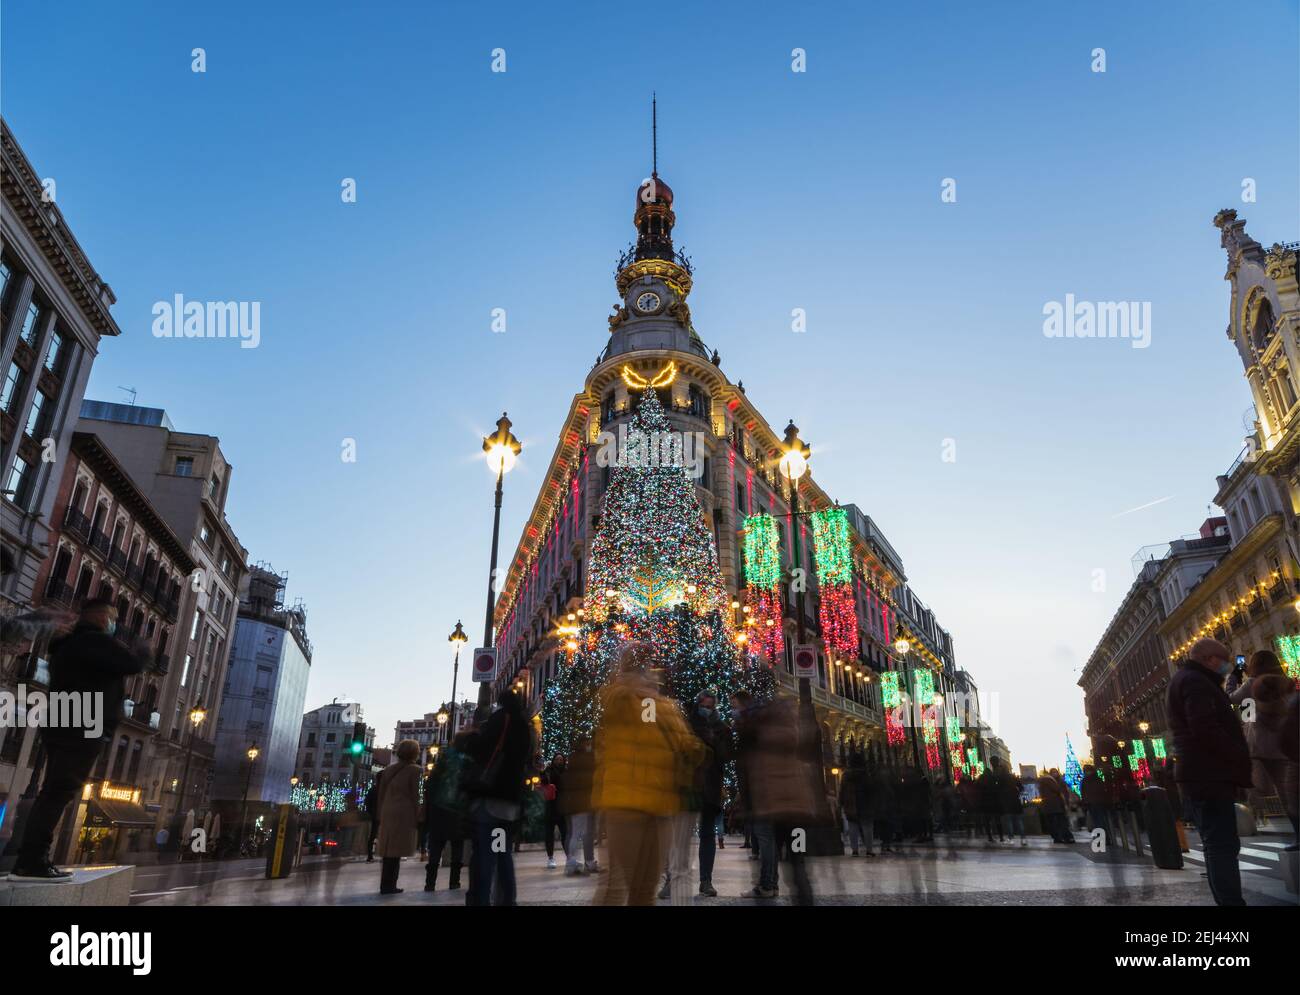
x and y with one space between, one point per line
654 134
132 391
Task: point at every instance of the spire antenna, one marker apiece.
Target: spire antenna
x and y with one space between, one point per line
654 133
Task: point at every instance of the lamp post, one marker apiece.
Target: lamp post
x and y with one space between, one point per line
501 449
793 465
197 714
902 647
253 751
459 639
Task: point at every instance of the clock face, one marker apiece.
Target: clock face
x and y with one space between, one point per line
647 302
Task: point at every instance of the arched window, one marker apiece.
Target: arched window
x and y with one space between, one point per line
1261 332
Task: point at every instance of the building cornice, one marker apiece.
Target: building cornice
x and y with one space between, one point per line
1263 531
44 223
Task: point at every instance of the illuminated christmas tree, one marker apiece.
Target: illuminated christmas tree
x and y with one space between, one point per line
653 577
1073 772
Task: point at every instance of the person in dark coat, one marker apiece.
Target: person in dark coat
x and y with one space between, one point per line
89 665
1211 760
446 812
992 792
716 736
398 802
500 750
884 807
552 786
856 806
1097 800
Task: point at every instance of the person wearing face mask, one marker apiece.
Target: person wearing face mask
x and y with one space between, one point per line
90 663
1211 760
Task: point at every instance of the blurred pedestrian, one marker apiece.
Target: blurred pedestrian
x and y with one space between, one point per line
500 751
992 789
1053 808
90 663
715 735
552 786
1212 760
446 812
645 754
574 804
1097 801
856 806
399 811
1268 688
774 745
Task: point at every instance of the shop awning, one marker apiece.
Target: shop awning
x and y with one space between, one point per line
119 813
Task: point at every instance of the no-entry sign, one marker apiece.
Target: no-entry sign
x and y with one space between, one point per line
485 665
805 660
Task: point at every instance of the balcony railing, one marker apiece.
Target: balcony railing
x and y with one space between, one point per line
99 542
117 559
59 592
77 524
135 574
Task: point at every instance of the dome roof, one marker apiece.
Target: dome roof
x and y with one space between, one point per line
660 192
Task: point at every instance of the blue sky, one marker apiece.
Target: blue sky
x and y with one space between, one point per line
816 190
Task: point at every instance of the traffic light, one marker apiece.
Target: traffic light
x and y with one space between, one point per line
358 746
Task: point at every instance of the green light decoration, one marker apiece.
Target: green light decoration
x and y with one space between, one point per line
832 549
889 693
954 730
923 682
834 557
1139 749
763 585
762 552
653 577
1116 760
1288 648
1132 763
1158 747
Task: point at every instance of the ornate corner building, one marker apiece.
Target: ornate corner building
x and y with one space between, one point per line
1238 578
653 345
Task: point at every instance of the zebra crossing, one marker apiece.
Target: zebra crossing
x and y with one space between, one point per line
1256 854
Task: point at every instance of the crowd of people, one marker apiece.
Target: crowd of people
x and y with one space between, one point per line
659 787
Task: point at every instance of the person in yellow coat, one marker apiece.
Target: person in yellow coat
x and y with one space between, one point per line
646 755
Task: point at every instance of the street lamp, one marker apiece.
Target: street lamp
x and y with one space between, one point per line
459 639
793 465
501 449
197 714
253 752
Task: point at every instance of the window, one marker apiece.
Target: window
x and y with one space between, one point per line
35 417
6 274
214 487
184 466
54 358
185 672
194 629
18 483
12 388
31 323
205 535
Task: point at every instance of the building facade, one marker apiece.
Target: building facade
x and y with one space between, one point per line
54 309
187 479
107 540
653 344
263 695
324 745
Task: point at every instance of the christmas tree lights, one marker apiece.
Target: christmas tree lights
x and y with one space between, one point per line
653 577
834 557
1288 648
1073 772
